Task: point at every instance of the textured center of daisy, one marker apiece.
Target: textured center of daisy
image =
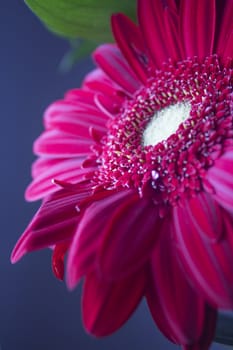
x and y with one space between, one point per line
171 132
165 122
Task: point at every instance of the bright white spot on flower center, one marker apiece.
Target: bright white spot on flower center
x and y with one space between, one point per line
165 123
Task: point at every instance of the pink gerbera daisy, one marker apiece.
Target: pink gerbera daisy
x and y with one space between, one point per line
141 163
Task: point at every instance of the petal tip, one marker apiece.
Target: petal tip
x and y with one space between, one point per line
16 255
71 279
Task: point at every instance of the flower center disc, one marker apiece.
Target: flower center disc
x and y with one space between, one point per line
167 137
165 122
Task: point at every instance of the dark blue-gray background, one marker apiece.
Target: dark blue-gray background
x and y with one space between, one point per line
36 311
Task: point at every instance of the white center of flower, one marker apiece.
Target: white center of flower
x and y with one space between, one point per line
165 122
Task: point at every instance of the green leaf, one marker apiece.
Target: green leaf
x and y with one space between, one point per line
79 48
86 19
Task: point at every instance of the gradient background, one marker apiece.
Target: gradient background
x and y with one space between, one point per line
36 311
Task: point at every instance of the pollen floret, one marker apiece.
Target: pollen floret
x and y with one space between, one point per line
175 166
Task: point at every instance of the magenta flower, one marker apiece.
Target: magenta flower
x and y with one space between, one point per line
141 163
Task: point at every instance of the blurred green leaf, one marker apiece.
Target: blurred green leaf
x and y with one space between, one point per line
86 19
78 49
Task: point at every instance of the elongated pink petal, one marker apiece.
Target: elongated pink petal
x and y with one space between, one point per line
129 237
110 59
89 234
99 79
58 259
198 27
74 126
180 313
47 170
228 49
225 24
174 40
62 145
80 97
107 105
207 257
151 20
106 306
220 176
206 217
43 163
130 42
102 85
54 222
74 113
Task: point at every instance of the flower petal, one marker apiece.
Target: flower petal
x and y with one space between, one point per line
62 145
228 49
198 27
58 259
106 306
54 222
74 125
99 82
206 217
129 236
45 170
174 43
180 313
130 42
151 20
107 105
80 97
220 176
89 234
74 116
207 260
225 25
110 59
